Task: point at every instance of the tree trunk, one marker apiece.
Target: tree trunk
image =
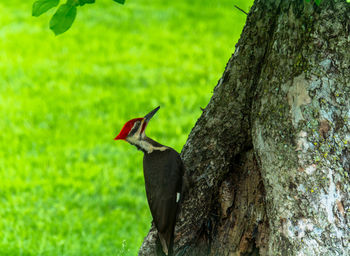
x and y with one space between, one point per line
269 158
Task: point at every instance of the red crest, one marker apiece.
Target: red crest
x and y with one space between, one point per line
126 129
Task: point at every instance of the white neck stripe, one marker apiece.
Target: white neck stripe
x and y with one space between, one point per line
145 145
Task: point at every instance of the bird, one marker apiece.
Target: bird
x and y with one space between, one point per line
163 172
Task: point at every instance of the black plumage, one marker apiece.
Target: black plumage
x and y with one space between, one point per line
163 171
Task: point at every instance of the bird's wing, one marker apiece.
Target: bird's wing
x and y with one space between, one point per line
162 188
164 216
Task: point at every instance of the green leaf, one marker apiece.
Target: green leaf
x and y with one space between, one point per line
42 6
63 19
82 2
119 1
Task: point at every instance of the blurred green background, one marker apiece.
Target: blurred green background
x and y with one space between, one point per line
66 188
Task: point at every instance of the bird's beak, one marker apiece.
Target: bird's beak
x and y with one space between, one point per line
151 114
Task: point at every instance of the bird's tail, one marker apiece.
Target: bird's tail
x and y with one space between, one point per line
166 241
164 245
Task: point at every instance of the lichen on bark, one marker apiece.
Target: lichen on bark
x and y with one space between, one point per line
305 168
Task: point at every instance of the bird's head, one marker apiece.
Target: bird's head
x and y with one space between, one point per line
134 129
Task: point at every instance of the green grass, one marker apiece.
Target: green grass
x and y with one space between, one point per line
66 188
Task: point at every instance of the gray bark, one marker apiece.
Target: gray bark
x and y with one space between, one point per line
269 158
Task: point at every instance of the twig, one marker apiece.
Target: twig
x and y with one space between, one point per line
241 10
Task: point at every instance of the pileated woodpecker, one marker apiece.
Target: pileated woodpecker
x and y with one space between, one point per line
163 171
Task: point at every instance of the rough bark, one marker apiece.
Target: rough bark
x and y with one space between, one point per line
269 158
